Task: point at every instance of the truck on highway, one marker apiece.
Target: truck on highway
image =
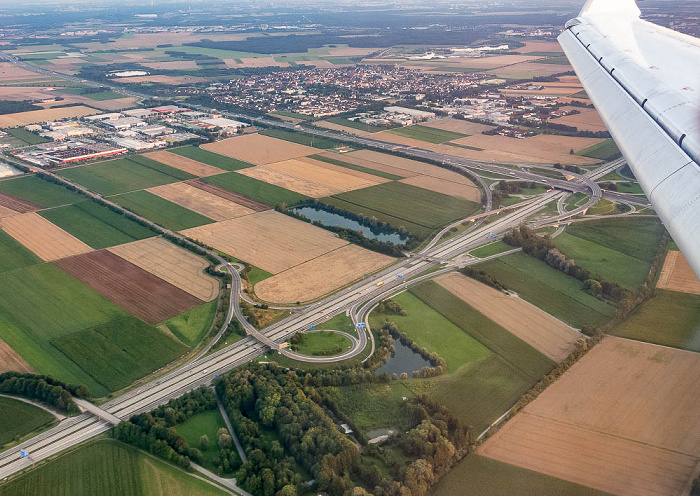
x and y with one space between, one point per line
380 283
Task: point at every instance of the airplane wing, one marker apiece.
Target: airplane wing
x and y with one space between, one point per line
644 80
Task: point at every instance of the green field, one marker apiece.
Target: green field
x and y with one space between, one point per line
190 327
637 237
41 192
322 343
611 265
161 211
124 174
301 138
211 158
406 203
107 468
20 419
26 136
13 255
41 303
431 330
207 423
486 477
99 96
255 189
668 318
549 289
359 168
341 121
96 225
429 134
491 249
606 150
340 322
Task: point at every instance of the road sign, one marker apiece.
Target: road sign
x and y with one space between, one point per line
216 376
360 324
312 327
493 235
399 276
24 454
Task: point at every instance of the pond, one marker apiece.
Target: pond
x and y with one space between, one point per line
404 359
315 214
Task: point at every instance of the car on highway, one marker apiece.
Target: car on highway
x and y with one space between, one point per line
380 283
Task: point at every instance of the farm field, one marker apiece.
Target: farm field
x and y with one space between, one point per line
458 126
629 407
258 149
46 240
612 265
289 182
190 327
107 468
441 336
53 114
322 343
183 163
202 202
11 361
676 275
375 162
331 159
549 289
207 423
491 249
327 174
256 190
96 225
138 292
179 267
415 205
543 332
587 120
161 211
270 240
123 175
488 477
39 192
27 137
606 150
321 275
13 255
210 158
429 134
445 187
11 205
315 142
668 318
20 418
119 352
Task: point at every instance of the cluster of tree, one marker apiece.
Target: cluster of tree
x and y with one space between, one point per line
542 248
390 307
571 168
515 187
44 389
179 410
482 276
11 106
438 363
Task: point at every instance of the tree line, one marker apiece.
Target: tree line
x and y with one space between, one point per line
44 389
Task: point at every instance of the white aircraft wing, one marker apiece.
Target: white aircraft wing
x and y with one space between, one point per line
644 80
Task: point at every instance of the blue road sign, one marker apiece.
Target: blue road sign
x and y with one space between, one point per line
312 327
216 376
360 324
23 454
493 235
400 276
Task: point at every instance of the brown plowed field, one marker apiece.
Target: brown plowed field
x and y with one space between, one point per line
10 72
289 181
537 328
140 293
270 240
171 263
677 275
321 275
228 195
540 46
623 419
587 120
458 126
6 212
17 204
53 114
200 201
46 240
258 149
450 188
331 175
11 361
590 458
184 163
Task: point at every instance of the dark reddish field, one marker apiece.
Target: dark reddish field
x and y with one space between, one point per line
17 204
228 195
138 292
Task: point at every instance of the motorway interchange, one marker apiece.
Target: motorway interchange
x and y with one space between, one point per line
357 300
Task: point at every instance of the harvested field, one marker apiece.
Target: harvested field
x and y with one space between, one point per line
140 293
270 240
184 163
17 205
339 127
677 275
458 126
623 419
174 80
46 240
490 62
540 46
11 361
255 62
229 195
359 158
6 212
587 120
258 149
321 275
540 330
10 72
173 65
396 138
449 188
53 114
200 201
290 182
526 70
327 174
171 263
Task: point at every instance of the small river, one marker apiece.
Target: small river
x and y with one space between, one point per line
403 360
333 219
